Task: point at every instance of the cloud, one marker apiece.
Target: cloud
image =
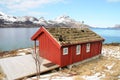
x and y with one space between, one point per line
22 5
113 0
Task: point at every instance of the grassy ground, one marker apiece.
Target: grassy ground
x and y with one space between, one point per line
107 67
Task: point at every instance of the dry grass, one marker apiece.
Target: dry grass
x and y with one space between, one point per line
107 66
97 66
17 52
78 78
2 76
100 65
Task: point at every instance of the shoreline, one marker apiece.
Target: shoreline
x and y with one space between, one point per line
112 44
16 52
24 51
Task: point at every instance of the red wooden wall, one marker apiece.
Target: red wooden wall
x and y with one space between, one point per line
48 49
71 57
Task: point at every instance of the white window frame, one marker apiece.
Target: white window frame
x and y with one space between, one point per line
88 47
78 49
65 51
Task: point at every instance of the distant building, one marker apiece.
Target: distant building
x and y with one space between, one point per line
65 46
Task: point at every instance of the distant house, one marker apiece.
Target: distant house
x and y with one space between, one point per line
65 46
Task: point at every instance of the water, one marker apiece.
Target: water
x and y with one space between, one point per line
110 35
15 38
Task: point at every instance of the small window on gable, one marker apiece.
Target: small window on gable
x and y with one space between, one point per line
88 47
65 51
78 49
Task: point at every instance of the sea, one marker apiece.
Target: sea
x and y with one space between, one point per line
16 38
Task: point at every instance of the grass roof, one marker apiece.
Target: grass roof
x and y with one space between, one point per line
73 35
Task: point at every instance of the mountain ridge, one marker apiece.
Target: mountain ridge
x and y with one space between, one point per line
30 21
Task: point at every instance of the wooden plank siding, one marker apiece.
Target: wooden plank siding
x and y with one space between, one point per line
74 57
71 57
49 50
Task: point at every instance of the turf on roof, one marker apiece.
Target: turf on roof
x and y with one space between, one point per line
73 35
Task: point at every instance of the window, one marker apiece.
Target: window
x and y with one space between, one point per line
65 51
88 47
78 49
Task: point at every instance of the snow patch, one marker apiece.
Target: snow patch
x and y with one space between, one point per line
118 77
111 52
109 67
21 54
96 76
52 76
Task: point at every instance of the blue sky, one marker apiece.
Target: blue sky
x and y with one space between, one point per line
97 13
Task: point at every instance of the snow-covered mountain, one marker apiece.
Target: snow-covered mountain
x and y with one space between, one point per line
61 21
117 26
26 18
42 21
17 19
64 19
6 17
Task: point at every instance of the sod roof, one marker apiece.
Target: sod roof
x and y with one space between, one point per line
74 35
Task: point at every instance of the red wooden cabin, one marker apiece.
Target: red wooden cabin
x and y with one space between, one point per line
65 46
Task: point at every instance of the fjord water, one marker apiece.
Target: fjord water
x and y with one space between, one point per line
15 38
109 34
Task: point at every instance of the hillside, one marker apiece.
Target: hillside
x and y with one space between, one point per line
117 26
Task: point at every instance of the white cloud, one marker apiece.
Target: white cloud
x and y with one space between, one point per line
113 0
26 7
22 5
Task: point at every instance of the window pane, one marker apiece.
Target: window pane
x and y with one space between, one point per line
88 47
65 51
78 49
